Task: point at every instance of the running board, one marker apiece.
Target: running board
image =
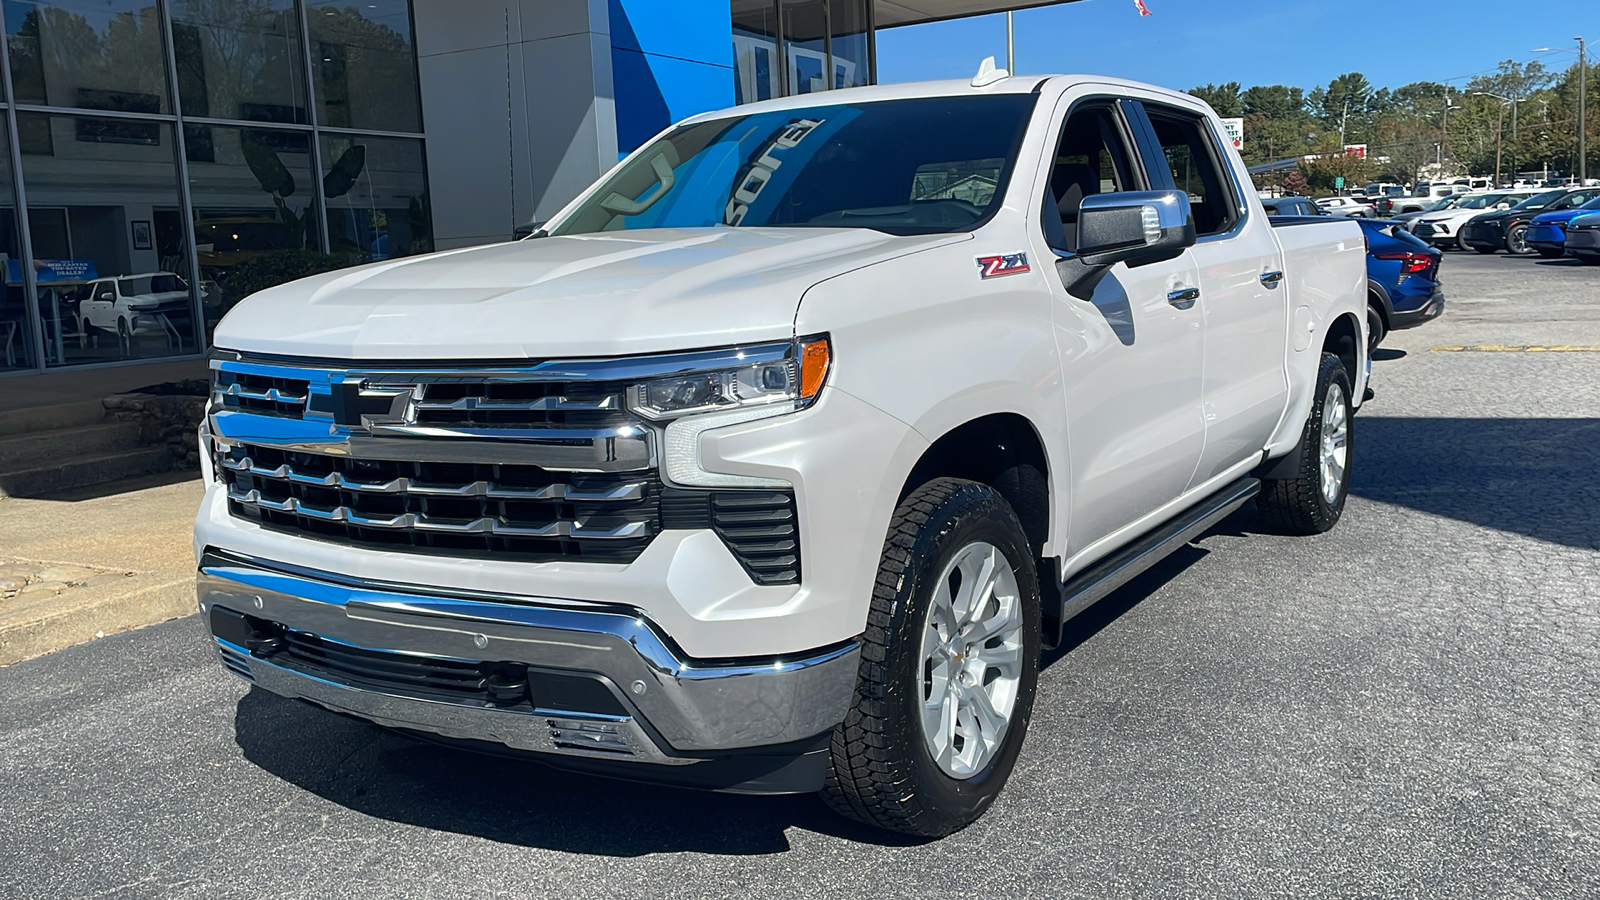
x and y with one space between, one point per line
1096 582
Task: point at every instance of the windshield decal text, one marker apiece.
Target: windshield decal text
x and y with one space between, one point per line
759 175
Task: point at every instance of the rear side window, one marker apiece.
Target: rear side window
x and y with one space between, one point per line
1194 169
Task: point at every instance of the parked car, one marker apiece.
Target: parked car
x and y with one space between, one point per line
150 303
1346 206
1406 219
1403 288
657 495
1442 229
1292 206
1547 232
1507 229
1583 238
1422 197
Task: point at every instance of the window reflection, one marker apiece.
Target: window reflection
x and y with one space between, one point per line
16 331
757 69
255 212
108 240
848 21
239 59
363 65
377 190
805 29
101 55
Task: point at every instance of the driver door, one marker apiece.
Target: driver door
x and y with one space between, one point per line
99 308
1131 355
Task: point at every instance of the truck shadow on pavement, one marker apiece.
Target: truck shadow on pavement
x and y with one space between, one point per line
1534 477
391 776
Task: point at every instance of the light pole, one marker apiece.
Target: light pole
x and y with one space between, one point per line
1011 46
1583 102
1499 129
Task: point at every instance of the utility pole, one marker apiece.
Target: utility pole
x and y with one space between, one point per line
1583 102
1499 128
1011 46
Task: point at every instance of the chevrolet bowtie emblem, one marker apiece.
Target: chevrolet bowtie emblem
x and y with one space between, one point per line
355 405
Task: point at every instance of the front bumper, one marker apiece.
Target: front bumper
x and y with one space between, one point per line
572 679
1583 240
1545 237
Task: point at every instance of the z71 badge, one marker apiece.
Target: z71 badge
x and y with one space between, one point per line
1009 264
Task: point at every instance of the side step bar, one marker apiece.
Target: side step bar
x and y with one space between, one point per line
1096 582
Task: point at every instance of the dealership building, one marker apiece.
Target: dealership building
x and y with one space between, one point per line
172 156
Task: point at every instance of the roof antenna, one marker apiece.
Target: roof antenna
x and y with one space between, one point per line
988 74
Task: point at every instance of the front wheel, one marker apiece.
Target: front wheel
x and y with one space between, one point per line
949 664
1517 240
1312 501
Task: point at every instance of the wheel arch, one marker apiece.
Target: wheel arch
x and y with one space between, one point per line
998 450
1343 339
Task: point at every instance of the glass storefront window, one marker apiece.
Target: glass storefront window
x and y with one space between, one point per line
364 65
377 190
239 60
16 329
255 211
805 29
108 240
848 21
757 68
101 55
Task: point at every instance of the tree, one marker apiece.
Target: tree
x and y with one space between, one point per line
1405 145
1224 98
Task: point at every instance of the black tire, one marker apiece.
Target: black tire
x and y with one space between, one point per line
1376 332
881 771
1298 505
1516 240
1550 254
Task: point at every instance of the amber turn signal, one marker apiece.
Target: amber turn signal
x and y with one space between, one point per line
815 355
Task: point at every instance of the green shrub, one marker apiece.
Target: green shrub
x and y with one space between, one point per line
275 268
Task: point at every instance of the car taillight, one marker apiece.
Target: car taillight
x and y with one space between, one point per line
1410 263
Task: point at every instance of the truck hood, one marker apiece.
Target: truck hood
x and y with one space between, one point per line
606 294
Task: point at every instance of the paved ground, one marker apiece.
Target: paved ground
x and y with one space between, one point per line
1408 706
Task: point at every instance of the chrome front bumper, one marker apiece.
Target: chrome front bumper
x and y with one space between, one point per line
669 709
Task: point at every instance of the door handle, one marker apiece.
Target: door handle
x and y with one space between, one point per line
1183 298
1271 279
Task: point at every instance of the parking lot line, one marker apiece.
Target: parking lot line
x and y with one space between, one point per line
1493 348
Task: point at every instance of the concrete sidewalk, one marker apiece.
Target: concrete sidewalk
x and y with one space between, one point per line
87 565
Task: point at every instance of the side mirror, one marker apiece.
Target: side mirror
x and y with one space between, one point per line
108 296
1502 206
1132 227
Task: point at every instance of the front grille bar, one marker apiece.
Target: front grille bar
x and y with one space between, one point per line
422 522
541 404
270 395
404 485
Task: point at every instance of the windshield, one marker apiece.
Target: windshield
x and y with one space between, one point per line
1482 201
1443 203
1539 201
151 284
915 166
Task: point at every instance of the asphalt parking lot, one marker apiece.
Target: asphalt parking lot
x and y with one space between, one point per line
1407 706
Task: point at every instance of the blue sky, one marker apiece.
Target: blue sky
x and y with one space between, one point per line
1297 42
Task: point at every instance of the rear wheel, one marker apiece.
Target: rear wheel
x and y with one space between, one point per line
1375 330
1517 239
949 664
1312 501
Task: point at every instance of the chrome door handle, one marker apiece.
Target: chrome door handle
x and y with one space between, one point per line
1183 298
1271 279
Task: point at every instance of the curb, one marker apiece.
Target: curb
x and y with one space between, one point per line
78 616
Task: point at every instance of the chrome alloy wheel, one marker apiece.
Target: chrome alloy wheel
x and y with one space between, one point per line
1335 443
1517 240
971 660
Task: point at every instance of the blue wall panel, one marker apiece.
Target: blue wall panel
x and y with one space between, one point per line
668 60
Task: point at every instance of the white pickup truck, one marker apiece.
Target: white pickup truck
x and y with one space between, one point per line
774 460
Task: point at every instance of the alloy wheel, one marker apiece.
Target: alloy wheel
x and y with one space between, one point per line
1335 443
971 660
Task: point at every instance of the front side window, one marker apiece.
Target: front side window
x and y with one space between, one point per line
1090 159
915 166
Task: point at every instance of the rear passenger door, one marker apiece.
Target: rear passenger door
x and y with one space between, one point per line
1130 354
1243 293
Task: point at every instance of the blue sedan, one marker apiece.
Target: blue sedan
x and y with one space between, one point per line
1403 289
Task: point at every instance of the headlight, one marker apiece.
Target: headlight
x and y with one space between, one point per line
784 377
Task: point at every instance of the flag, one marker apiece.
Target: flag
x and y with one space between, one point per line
1143 10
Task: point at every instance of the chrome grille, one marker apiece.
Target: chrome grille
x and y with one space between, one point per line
264 395
513 404
518 510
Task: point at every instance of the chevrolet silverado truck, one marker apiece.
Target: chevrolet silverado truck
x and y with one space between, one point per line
772 462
